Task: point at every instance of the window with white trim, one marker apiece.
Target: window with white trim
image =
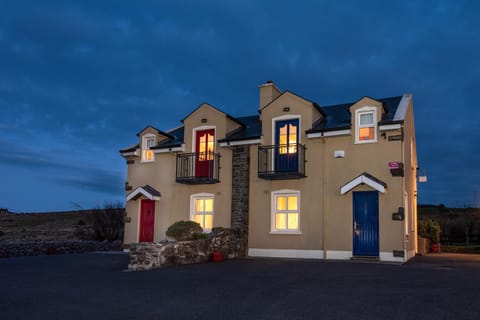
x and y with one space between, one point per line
285 211
366 125
201 210
148 141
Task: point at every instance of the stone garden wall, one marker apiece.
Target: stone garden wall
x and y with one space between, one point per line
229 243
35 248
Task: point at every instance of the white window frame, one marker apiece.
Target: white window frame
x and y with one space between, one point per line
287 117
202 195
145 147
273 206
358 113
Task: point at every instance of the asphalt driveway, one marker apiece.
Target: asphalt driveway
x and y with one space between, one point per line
94 286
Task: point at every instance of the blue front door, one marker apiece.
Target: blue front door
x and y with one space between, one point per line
286 141
365 223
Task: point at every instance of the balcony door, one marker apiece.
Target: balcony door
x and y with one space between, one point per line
204 153
286 145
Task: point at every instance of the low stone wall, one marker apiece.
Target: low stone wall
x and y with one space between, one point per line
35 248
229 243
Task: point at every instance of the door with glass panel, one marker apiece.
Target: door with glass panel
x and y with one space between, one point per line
204 153
286 145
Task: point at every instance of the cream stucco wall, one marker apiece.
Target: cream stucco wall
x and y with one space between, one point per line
326 215
174 203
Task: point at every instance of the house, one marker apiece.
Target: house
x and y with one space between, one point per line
301 179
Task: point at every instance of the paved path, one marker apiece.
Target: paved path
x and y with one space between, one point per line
93 286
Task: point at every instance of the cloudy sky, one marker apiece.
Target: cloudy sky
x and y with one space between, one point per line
79 79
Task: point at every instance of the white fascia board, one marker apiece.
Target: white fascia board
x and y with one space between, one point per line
167 150
402 107
329 134
127 154
359 180
390 127
240 142
142 191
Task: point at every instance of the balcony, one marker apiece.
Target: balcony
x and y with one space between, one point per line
278 162
198 168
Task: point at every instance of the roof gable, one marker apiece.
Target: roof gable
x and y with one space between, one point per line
152 129
297 96
215 109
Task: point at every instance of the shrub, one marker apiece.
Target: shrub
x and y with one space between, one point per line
430 229
185 230
108 224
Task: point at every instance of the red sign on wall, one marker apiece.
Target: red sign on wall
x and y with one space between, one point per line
393 165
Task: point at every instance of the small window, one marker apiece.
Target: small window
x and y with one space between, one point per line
366 126
201 211
286 211
148 142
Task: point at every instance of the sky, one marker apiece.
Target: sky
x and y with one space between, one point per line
79 80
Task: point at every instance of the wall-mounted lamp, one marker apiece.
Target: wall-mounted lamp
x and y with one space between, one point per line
286 109
204 120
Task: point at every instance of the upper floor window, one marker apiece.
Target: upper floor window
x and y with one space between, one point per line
201 210
148 141
286 211
366 125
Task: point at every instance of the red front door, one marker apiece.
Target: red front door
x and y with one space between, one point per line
147 220
204 148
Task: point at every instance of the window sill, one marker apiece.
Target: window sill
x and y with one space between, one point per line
293 233
364 142
147 161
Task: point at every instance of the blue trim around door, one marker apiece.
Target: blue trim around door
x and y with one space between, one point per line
365 224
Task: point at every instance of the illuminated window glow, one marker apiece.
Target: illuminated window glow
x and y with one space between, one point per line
206 147
148 141
366 126
288 139
285 213
202 211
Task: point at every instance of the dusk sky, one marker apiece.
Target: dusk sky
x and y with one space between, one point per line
79 79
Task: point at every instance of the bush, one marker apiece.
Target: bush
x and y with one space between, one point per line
430 229
185 230
108 224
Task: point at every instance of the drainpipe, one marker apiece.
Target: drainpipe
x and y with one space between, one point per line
407 210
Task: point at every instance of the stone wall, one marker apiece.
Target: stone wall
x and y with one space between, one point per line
229 243
240 184
35 248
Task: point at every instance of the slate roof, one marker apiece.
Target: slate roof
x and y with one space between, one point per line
175 141
339 116
335 117
251 129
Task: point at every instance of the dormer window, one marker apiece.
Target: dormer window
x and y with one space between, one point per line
148 141
366 125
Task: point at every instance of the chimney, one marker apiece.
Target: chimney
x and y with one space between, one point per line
268 92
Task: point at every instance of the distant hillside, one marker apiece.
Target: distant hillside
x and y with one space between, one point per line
459 225
98 224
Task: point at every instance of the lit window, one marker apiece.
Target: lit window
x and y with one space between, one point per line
206 147
286 211
148 141
202 211
288 138
366 126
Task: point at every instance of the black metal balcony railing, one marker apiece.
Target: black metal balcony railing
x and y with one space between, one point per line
198 168
281 161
